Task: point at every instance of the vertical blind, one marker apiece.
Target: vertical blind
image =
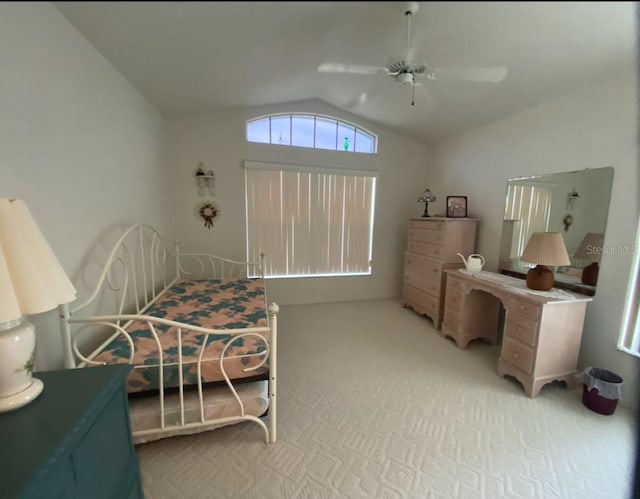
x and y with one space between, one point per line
531 205
309 221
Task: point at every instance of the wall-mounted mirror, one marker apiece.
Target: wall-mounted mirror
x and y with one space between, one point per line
575 204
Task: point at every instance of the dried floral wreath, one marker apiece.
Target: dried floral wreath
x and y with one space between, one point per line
208 212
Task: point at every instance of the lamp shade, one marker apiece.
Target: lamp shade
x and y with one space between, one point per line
31 278
546 248
590 249
427 197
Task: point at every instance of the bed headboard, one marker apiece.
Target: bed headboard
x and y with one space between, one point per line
139 269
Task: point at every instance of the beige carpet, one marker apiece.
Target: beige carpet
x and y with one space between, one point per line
372 403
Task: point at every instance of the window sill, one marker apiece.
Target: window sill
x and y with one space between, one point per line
317 275
629 351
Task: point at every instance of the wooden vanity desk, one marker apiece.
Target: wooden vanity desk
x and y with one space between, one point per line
542 333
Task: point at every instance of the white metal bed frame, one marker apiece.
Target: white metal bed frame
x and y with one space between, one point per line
137 272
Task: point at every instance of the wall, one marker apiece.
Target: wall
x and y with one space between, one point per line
591 127
219 141
77 142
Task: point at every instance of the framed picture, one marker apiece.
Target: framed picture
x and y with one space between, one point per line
457 206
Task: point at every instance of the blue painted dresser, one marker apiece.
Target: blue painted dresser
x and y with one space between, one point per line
73 441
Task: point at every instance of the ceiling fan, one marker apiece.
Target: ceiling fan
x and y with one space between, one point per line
405 71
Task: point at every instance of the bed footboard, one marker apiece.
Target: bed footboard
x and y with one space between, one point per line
182 330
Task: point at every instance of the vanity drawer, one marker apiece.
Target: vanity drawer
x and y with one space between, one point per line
453 298
428 249
523 307
422 301
454 283
520 328
518 354
451 319
425 235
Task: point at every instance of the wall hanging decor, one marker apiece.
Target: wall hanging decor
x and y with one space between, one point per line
208 212
205 180
567 221
572 197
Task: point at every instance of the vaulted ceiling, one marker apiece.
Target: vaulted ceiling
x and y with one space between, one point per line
197 56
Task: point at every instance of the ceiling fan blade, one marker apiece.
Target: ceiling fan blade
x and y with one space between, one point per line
358 101
378 84
331 67
407 54
423 92
486 75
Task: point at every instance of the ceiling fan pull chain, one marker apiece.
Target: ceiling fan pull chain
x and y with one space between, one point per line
409 16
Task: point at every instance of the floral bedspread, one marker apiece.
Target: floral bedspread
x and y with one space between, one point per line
212 303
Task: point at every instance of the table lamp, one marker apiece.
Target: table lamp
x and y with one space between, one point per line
590 250
426 197
31 281
544 248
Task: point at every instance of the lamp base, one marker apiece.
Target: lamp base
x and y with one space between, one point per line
426 210
540 278
590 274
17 355
22 398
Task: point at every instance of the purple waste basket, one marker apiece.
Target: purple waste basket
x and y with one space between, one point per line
601 390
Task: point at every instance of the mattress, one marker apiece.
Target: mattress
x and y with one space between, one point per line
219 402
212 303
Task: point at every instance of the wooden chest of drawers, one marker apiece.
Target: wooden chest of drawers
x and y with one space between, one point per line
432 247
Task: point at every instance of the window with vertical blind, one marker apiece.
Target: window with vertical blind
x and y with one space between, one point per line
530 207
629 340
309 221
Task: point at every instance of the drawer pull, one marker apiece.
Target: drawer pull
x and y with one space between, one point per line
515 355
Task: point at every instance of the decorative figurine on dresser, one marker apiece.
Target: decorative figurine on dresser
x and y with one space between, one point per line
432 247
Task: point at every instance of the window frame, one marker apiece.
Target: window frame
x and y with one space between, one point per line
357 128
629 337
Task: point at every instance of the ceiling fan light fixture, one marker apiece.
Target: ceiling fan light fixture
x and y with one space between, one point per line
411 8
405 78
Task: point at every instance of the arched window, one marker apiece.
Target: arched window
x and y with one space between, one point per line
318 132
